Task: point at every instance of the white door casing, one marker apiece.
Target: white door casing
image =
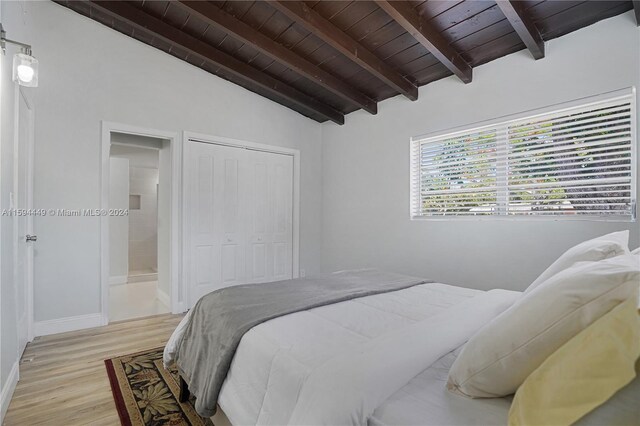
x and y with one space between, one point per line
239 215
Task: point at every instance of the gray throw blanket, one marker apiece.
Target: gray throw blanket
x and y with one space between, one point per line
221 318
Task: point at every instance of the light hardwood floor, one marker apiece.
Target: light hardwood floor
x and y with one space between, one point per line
66 382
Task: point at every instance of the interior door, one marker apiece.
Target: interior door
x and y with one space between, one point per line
239 209
23 223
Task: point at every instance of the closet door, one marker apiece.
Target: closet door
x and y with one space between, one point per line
215 221
239 213
270 214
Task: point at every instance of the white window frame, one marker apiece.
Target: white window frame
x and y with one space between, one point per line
529 115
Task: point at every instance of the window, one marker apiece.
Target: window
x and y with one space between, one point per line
576 161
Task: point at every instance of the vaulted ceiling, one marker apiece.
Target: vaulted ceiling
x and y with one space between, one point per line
325 59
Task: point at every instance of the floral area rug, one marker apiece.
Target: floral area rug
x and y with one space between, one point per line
148 394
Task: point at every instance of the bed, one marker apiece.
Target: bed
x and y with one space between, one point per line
381 359
274 359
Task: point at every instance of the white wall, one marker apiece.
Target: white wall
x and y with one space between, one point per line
141 151
143 163
143 222
90 73
366 166
118 225
8 342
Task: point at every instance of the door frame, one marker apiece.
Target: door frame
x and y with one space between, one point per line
19 93
237 143
175 151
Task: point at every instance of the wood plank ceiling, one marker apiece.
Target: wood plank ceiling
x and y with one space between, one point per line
325 59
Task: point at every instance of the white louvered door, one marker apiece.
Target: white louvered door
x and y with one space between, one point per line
239 215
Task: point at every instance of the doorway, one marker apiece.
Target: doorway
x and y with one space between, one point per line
135 290
139 223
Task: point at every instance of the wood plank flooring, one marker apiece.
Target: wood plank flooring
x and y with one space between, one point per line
66 382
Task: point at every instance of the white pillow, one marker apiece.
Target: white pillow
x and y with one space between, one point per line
499 357
604 247
636 251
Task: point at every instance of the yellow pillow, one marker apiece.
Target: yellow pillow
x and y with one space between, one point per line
584 373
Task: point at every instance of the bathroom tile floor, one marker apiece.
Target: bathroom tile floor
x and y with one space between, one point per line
134 300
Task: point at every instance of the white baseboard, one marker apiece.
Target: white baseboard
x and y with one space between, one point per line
7 390
118 279
62 325
163 297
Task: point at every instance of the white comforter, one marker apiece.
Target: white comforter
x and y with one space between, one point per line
338 363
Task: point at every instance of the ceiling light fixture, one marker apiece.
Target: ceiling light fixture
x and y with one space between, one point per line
25 66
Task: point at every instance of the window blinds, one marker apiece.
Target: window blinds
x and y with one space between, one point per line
574 162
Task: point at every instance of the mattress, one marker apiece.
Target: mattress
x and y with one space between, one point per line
426 401
274 358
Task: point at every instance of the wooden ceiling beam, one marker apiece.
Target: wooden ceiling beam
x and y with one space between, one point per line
217 17
408 18
523 25
155 27
636 9
322 28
